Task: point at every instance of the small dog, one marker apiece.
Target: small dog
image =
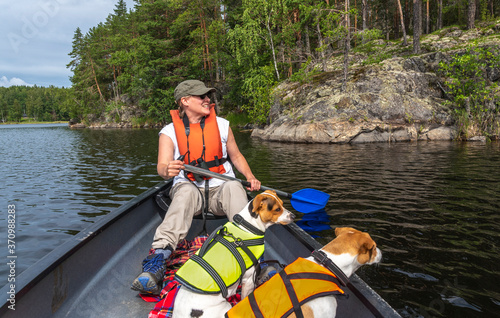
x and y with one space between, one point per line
259 214
348 251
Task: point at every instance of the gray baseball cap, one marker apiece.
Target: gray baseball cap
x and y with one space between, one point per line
190 88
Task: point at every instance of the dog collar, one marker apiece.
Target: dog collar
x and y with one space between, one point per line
321 257
239 220
271 195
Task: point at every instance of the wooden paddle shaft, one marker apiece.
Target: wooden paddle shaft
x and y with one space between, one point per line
216 175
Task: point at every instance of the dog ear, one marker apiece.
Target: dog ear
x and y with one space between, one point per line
256 204
349 230
340 230
366 249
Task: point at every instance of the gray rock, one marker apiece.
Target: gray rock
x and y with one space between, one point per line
399 99
381 103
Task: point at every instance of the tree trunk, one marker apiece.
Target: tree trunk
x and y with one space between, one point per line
347 46
272 47
207 63
308 42
471 14
115 83
479 7
396 25
364 14
95 78
298 41
322 49
427 19
218 71
440 14
387 27
356 16
417 25
405 43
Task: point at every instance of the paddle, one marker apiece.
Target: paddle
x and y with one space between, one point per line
305 200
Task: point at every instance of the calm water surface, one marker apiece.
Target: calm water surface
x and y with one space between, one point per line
431 207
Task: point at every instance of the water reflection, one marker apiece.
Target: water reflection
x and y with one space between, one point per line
115 166
314 222
60 180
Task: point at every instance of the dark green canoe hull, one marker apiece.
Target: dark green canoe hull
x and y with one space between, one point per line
90 274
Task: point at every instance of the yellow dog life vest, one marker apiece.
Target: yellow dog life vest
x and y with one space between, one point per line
222 260
283 293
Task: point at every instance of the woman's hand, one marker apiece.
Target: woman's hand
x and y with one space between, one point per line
254 184
173 168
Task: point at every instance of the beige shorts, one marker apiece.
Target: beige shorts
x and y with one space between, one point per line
187 201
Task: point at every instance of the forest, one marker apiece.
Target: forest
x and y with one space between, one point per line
244 48
34 104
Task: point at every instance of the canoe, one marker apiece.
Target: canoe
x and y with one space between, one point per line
90 274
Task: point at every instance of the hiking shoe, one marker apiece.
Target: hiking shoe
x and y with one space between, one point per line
150 281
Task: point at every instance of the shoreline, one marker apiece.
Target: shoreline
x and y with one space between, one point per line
256 133
33 122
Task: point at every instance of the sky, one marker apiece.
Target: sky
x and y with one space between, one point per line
36 37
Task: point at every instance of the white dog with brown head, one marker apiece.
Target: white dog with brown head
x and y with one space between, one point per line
263 211
322 276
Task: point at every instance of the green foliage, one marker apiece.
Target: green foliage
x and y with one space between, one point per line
369 35
244 41
483 9
370 46
237 119
475 99
377 58
34 103
242 47
257 88
305 73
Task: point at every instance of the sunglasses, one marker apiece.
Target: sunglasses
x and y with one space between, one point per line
203 96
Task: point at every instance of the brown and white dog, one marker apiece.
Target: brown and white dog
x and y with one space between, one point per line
263 211
348 251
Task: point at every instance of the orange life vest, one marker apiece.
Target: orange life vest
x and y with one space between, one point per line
283 293
201 144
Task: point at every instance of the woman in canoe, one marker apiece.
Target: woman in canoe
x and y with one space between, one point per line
198 137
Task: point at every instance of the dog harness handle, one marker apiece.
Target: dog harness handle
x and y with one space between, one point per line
239 220
323 259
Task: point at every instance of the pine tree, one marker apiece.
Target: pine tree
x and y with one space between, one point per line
400 11
471 14
417 25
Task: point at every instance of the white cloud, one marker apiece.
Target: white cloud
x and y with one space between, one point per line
14 81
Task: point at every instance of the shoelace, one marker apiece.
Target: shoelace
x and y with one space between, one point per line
153 264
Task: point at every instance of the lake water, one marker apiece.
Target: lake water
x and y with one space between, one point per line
431 207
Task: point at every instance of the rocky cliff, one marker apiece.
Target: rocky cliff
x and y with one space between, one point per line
398 99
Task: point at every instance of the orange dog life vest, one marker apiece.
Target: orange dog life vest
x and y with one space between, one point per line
203 143
283 294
